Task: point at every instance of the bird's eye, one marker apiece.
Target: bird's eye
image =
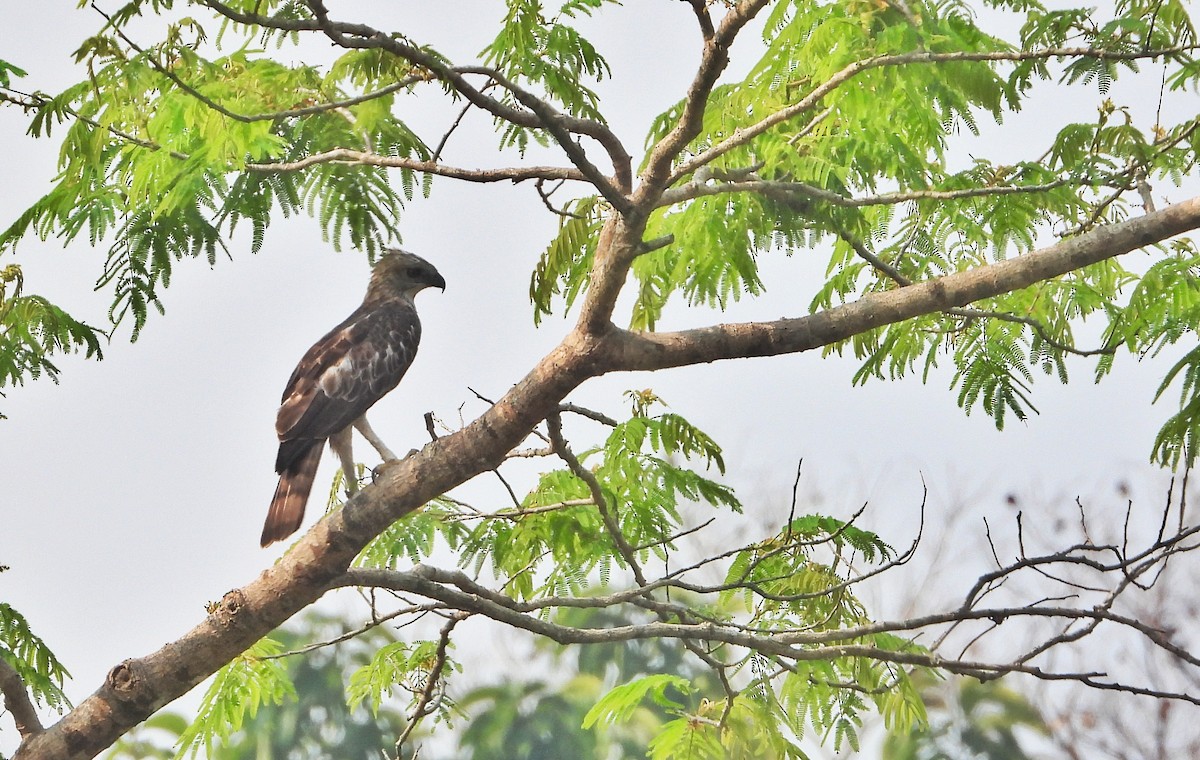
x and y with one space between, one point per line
414 272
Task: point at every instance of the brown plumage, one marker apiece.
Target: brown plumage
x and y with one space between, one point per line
340 378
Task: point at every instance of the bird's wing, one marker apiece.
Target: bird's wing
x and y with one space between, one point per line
346 372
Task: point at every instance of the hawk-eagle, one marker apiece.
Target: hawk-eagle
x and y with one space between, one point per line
340 378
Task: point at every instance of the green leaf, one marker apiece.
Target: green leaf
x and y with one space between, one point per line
620 702
7 71
686 739
237 691
565 265
388 668
32 330
38 668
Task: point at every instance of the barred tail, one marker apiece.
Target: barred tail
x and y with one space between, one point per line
291 495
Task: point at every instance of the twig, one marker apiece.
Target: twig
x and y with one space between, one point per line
795 492
591 414
432 680
375 622
607 511
437 152
545 197
367 158
744 135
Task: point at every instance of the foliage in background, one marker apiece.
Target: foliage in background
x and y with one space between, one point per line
968 718
309 720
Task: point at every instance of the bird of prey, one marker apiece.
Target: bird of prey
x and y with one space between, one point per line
340 378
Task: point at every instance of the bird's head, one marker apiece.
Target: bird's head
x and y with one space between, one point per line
402 273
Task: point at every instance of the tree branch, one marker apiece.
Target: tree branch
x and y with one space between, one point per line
789 645
700 8
366 158
700 189
648 351
607 511
898 277
422 708
18 702
538 114
715 57
746 134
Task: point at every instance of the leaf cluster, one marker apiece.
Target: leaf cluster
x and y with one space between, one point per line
556 537
32 330
547 52
166 151
24 651
397 663
236 693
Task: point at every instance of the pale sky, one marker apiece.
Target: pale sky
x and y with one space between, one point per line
135 490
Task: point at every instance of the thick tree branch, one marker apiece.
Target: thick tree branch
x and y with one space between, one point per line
138 687
17 701
648 351
899 278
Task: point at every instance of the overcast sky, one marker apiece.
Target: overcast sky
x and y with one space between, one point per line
134 491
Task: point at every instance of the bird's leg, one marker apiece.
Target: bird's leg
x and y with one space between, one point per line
341 444
363 427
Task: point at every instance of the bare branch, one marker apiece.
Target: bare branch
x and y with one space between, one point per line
432 680
375 622
591 414
366 158
788 645
699 189
561 126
